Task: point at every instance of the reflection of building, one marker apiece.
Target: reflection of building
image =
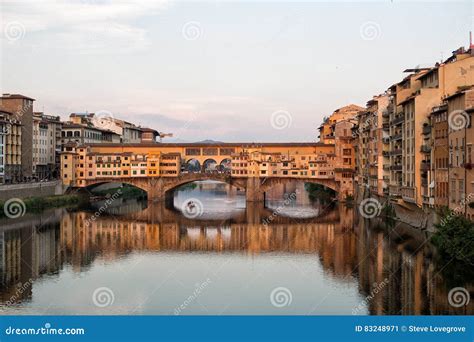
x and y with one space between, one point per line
25 254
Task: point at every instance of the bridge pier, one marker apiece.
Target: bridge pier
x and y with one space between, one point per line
254 191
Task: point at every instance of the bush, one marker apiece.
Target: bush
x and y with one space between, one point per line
455 237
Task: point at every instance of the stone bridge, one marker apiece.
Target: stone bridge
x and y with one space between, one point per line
159 188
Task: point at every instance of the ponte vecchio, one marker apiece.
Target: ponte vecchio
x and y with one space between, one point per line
158 168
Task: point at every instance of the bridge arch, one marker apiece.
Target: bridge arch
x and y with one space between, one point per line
192 165
173 184
91 185
209 164
225 164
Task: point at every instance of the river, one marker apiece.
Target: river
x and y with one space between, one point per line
208 252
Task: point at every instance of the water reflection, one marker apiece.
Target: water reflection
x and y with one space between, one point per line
152 257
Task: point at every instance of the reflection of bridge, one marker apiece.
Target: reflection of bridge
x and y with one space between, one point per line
159 168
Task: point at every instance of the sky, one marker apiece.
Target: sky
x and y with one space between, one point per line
228 71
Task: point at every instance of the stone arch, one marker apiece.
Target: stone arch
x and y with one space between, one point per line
192 166
225 164
140 185
209 165
173 184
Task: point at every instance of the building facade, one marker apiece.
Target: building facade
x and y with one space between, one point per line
21 108
46 146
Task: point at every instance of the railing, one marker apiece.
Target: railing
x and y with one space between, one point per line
426 129
394 190
397 136
397 120
425 166
396 152
396 167
408 193
425 149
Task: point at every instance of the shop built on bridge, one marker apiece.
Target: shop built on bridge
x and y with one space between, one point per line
159 168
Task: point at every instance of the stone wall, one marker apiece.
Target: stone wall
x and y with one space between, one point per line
409 214
31 190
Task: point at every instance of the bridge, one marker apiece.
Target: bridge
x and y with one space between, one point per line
159 168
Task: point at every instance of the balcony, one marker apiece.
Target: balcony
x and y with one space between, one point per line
397 121
385 126
425 166
425 149
426 130
385 140
396 152
394 190
408 193
385 153
396 167
397 137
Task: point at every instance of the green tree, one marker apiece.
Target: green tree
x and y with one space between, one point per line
454 237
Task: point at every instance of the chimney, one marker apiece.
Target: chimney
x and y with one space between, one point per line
471 46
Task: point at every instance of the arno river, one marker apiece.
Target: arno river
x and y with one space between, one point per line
293 256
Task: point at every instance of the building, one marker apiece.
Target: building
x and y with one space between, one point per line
82 134
22 109
460 107
149 135
79 164
10 148
128 132
440 154
326 130
46 146
371 144
409 138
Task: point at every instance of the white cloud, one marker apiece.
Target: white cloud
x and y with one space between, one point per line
84 26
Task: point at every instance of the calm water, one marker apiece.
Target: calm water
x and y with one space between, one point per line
150 258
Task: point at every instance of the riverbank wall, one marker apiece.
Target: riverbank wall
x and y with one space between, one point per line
407 213
25 190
